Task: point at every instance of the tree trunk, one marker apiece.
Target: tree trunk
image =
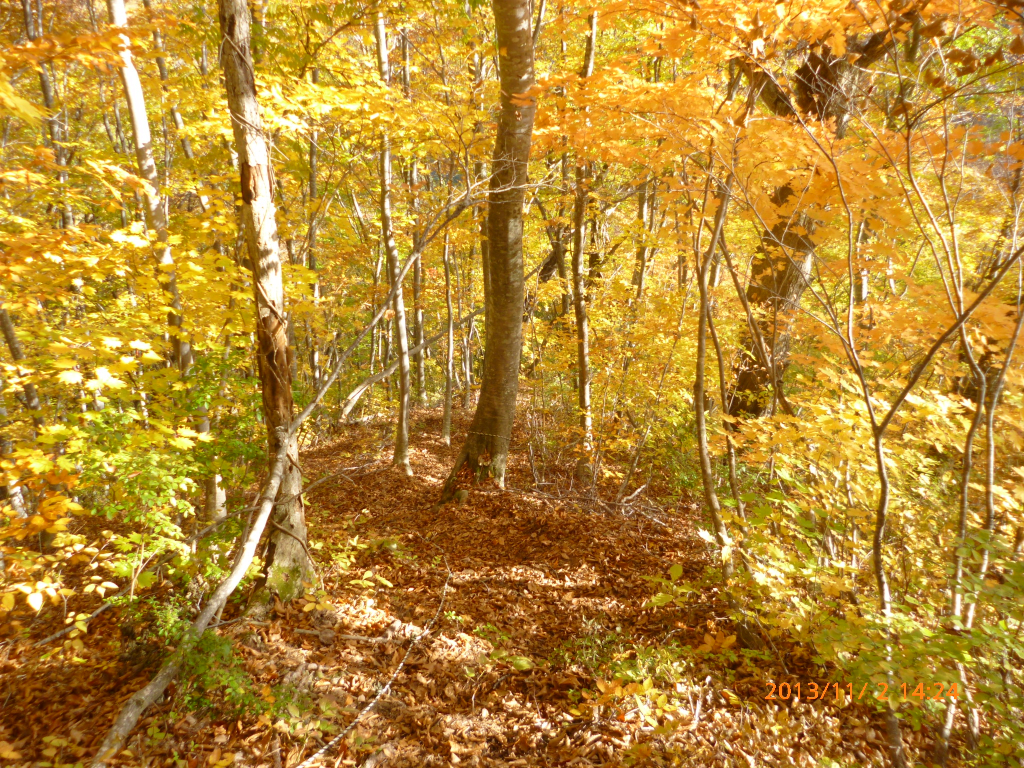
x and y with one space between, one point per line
9 492
485 450
417 273
156 217
777 282
311 262
31 402
179 124
449 368
417 304
579 229
579 303
401 459
287 561
640 271
54 127
699 401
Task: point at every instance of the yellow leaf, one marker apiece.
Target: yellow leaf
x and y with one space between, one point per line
70 377
12 103
7 752
35 600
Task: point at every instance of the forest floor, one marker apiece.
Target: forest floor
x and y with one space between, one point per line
540 650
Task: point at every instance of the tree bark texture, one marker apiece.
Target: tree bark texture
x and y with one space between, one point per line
485 451
401 459
287 561
155 214
449 363
579 293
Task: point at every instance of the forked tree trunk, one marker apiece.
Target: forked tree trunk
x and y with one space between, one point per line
401 459
823 89
485 450
287 561
156 217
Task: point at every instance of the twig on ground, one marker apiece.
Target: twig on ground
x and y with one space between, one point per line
394 676
67 629
355 638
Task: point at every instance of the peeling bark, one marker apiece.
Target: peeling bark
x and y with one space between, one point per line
287 563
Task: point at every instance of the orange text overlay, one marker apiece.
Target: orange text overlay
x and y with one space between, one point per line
812 691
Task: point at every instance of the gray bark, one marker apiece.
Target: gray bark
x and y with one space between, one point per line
449 368
401 459
156 217
486 448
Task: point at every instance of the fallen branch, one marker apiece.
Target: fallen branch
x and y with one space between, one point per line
138 703
70 627
132 710
352 638
360 389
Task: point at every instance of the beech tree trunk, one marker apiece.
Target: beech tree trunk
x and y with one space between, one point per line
311 253
822 89
417 272
579 293
485 450
155 214
579 303
401 459
449 367
54 127
287 561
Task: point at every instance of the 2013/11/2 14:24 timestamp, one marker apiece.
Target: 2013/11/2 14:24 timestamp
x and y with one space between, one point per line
936 691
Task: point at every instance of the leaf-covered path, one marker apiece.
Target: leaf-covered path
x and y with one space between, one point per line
542 654
536 583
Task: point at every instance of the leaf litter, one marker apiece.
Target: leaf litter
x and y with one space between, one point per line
546 652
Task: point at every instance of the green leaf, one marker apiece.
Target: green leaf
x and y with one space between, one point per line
521 663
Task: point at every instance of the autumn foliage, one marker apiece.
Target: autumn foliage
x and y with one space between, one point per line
773 290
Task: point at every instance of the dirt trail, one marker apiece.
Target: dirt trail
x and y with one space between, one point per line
530 576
